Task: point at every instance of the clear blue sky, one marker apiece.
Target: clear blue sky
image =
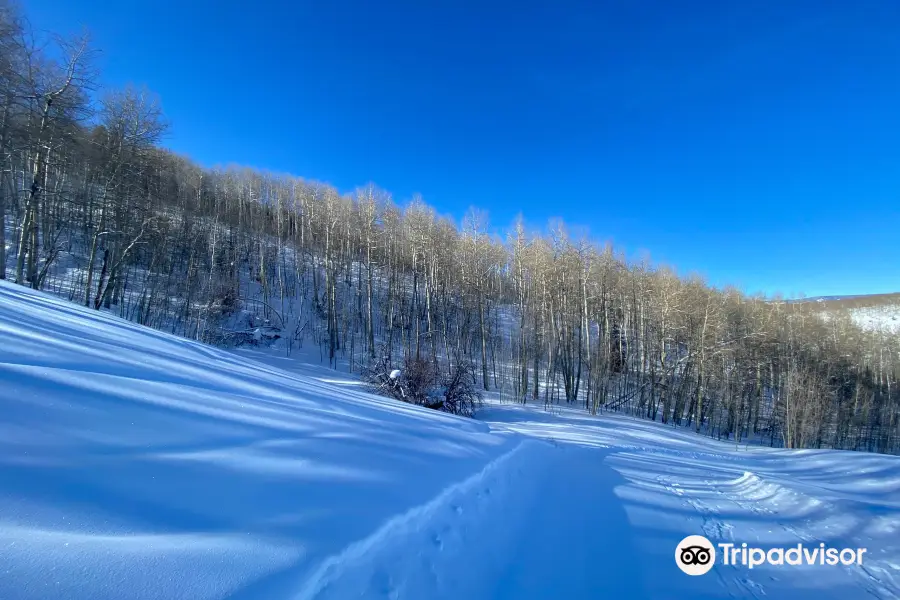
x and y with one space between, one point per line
757 143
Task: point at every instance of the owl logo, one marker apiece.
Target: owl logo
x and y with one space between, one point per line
695 555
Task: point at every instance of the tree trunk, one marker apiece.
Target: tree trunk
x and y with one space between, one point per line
484 367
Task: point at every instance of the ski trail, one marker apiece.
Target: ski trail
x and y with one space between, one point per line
577 542
379 565
750 487
538 522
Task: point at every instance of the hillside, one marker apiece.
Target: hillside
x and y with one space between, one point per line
94 209
136 464
871 312
855 301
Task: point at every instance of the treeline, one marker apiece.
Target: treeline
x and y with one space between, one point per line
94 209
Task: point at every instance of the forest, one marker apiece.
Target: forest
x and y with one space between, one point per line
96 209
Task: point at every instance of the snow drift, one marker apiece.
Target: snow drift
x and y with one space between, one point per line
139 465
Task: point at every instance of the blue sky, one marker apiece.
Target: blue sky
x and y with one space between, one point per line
756 143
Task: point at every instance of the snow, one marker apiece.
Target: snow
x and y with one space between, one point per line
135 464
877 318
882 318
672 483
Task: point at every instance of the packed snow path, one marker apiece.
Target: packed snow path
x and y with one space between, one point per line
134 464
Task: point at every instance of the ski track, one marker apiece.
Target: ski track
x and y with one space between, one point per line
506 532
418 553
438 523
752 496
750 493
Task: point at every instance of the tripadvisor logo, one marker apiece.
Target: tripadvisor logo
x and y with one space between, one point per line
696 555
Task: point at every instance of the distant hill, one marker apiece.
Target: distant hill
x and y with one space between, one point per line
858 301
869 311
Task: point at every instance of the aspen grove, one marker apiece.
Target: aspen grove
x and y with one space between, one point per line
94 208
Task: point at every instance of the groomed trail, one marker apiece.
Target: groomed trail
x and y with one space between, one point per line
509 531
134 464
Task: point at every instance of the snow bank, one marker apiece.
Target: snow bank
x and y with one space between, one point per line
134 464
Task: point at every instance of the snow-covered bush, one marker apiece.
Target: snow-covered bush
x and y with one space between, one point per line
419 382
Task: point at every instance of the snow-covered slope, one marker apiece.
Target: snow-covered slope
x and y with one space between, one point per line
884 319
134 464
873 312
877 318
